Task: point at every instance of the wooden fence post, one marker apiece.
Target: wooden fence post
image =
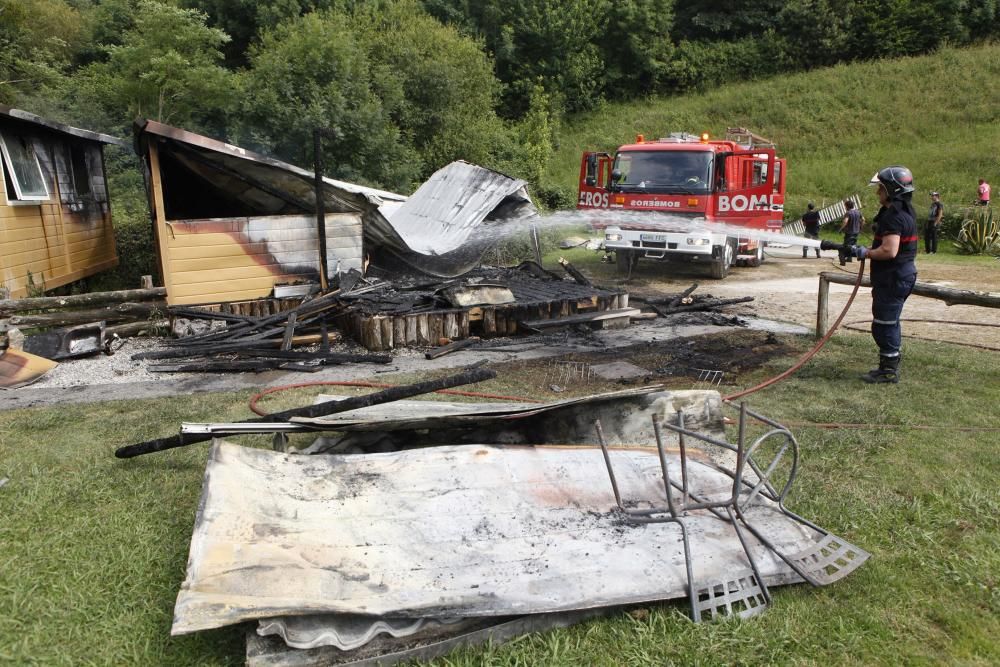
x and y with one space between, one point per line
822 304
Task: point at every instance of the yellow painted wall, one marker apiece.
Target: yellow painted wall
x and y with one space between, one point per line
56 249
237 259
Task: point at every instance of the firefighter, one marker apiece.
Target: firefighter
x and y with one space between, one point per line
893 271
852 223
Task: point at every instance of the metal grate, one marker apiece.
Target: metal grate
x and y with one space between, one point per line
707 378
569 372
741 596
831 559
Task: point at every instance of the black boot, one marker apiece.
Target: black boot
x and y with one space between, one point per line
887 371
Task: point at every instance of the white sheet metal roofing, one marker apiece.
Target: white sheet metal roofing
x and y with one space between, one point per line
446 210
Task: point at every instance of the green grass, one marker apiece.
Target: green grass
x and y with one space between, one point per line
937 114
93 549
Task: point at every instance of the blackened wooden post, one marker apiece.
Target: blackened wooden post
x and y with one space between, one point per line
320 206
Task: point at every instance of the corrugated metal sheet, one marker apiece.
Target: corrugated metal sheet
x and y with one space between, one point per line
626 414
439 229
444 532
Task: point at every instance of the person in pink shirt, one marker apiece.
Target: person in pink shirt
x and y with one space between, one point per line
984 192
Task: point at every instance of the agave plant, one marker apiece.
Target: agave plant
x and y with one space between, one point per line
980 234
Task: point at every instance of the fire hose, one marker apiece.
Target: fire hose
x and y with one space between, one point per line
844 253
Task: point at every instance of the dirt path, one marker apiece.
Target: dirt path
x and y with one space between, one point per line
785 287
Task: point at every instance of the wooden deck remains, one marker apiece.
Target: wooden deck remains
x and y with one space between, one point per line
537 300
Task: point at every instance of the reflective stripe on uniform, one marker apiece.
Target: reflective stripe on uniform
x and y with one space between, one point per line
889 322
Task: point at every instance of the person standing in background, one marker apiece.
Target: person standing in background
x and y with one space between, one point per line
984 192
851 224
933 222
810 220
893 271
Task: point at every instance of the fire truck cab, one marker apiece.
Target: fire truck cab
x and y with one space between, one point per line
711 191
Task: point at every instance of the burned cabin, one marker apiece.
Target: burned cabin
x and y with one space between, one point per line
231 224
55 212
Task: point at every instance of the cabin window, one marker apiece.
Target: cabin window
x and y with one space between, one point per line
81 172
24 172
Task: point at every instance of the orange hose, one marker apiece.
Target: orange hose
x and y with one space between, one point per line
808 355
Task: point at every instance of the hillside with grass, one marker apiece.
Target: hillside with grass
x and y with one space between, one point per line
936 114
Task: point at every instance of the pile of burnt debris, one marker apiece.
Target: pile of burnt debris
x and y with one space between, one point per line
296 332
408 528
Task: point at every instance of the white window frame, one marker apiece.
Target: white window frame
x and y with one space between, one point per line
9 163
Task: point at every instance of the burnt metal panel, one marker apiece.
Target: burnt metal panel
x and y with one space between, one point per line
474 530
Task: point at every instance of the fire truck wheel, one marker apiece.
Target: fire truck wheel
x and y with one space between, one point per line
624 261
758 259
720 266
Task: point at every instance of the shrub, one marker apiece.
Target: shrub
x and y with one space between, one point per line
980 234
951 224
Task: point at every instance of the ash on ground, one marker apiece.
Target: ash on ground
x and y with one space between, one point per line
121 368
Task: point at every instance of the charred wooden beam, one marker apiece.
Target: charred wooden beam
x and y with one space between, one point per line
307 308
451 347
326 357
676 301
255 366
320 410
575 273
286 341
123 311
537 270
708 304
203 314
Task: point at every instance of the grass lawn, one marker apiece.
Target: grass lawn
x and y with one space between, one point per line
93 549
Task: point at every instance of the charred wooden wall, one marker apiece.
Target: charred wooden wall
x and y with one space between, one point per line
60 240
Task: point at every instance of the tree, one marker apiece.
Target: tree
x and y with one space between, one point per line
37 41
710 20
244 20
637 47
167 67
311 72
436 85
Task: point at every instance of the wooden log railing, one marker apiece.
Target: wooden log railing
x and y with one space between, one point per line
8 306
951 297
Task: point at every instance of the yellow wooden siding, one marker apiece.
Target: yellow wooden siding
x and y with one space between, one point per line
32 240
234 259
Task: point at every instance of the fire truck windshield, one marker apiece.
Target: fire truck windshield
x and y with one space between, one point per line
687 172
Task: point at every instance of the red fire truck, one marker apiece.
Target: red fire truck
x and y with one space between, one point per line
711 190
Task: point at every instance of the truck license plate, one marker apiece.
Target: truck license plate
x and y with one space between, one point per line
653 237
